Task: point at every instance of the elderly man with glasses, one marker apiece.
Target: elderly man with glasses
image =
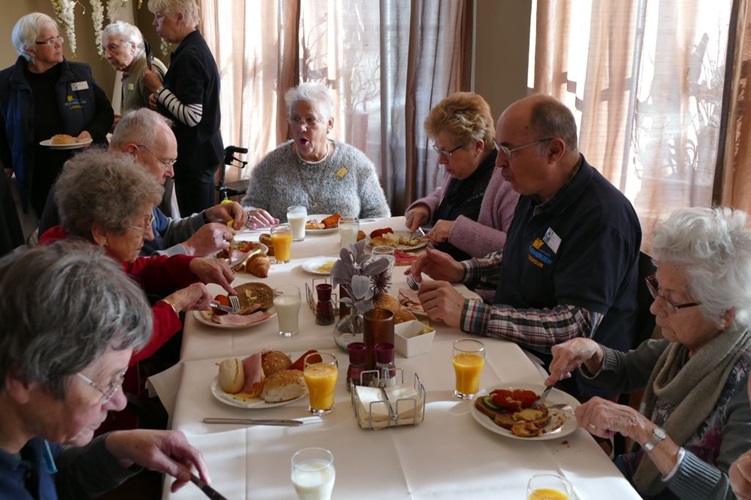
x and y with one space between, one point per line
147 136
569 265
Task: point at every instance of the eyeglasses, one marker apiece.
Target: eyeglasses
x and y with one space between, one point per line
310 121
654 291
52 41
444 153
166 164
111 389
508 153
144 228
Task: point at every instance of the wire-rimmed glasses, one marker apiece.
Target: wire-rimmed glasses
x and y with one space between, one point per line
51 41
145 227
654 291
166 164
111 389
446 153
508 153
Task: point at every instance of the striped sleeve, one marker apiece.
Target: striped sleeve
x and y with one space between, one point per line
188 114
482 272
538 329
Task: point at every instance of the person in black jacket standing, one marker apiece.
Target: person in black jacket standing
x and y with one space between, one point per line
189 96
42 95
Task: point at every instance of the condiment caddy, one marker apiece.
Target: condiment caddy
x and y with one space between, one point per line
379 407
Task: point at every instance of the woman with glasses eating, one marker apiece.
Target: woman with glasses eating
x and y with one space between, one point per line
470 212
41 97
694 418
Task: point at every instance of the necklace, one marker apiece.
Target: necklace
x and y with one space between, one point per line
325 155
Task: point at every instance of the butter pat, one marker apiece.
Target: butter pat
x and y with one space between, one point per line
409 339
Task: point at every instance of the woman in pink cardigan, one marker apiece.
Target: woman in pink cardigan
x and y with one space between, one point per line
472 210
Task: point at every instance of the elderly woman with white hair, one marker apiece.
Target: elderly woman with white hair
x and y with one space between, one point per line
125 50
312 170
694 419
43 95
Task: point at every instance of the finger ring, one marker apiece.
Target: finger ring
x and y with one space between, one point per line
592 426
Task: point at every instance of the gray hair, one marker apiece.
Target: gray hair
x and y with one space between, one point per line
551 118
105 187
127 33
189 9
713 247
313 92
138 127
26 31
89 305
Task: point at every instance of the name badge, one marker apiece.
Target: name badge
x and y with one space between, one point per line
131 87
552 240
76 86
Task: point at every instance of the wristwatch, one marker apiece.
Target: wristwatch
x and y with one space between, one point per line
657 435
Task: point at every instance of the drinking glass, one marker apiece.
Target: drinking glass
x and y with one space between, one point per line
296 217
320 370
281 238
384 251
313 473
549 487
348 228
468 360
287 304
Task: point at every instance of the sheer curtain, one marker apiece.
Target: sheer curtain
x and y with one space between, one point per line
387 63
646 81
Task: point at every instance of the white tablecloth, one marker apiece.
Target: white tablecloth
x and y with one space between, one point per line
449 455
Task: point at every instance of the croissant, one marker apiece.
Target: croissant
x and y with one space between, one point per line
258 265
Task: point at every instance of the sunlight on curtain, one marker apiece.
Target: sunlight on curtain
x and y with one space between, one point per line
387 63
645 79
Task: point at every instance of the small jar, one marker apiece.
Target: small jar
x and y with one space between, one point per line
324 306
356 352
385 364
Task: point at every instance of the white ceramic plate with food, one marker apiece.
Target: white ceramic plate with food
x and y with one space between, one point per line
205 318
562 423
319 218
319 265
423 242
76 145
238 401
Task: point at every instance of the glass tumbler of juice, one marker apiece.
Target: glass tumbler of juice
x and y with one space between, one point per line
320 371
549 487
281 238
468 360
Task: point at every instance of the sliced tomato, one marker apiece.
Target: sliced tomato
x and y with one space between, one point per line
222 300
380 232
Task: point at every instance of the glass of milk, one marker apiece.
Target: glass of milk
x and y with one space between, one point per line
296 217
348 228
313 473
287 305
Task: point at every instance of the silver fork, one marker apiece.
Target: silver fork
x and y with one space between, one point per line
414 285
234 302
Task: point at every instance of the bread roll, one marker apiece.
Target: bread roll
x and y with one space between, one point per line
231 375
275 361
265 238
283 386
62 139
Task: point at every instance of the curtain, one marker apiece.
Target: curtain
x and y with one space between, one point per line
386 63
645 79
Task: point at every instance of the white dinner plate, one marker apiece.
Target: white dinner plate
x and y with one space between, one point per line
318 232
314 265
238 256
247 403
555 396
404 248
199 315
77 145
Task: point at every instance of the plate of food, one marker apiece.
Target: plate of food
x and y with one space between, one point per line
507 411
319 224
400 240
319 265
256 308
262 380
65 141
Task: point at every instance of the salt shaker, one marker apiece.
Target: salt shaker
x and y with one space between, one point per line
324 306
356 362
385 364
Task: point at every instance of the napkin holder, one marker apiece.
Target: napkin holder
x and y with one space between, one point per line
382 408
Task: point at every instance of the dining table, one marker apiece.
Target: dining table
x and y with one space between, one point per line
446 454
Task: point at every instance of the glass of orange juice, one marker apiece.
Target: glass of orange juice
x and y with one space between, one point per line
281 238
321 371
549 487
468 359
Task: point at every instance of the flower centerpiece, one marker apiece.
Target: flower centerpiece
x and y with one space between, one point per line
361 281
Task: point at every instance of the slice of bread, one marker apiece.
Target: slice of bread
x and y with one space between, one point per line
254 296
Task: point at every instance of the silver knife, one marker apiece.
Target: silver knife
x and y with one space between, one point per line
230 310
251 421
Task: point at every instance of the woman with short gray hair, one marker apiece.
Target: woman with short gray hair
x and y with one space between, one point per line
61 369
123 47
311 170
694 418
